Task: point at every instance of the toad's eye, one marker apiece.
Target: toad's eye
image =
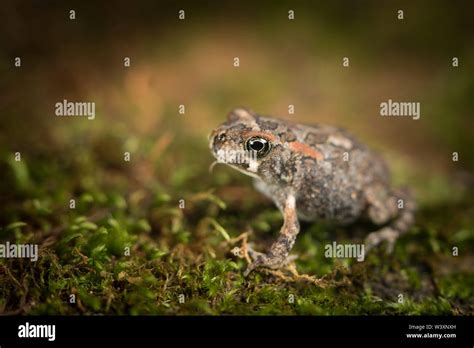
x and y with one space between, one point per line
260 145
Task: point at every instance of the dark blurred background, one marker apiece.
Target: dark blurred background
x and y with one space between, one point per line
190 62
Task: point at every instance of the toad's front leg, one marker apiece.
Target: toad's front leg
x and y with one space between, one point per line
278 254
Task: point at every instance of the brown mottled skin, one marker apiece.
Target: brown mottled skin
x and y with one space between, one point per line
313 173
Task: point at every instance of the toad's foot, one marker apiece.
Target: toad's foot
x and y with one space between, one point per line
386 234
395 208
272 261
278 255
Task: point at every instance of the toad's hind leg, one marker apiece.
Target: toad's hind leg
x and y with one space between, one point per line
396 210
277 256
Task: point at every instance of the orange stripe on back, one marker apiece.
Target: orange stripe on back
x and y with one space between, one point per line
306 150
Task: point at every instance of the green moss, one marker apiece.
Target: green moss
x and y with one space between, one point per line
118 255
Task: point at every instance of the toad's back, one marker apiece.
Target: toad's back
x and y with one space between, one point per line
333 186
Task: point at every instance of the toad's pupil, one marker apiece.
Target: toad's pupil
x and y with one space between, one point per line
259 145
256 145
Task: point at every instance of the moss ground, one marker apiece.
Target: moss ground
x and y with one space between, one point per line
180 260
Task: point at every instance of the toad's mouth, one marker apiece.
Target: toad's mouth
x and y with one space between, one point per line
253 174
248 172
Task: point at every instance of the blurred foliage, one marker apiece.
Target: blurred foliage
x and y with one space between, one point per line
134 206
